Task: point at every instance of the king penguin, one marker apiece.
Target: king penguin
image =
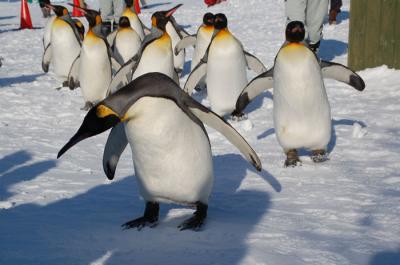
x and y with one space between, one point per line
127 42
200 40
155 54
302 115
224 63
93 68
64 46
170 147
134 20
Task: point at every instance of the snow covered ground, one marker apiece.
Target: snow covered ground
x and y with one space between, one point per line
344 211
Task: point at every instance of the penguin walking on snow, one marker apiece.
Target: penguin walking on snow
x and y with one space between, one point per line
302 115
224 63
170 146
155 54
200 41
93 68
127 42
65 43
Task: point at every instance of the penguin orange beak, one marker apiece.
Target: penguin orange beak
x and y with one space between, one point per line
172 10
99 119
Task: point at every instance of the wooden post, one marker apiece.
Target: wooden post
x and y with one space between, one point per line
374 35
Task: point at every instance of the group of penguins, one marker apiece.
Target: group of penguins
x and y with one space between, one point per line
129 80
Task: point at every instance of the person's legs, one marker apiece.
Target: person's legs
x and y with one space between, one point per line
315 14
119 6
106 9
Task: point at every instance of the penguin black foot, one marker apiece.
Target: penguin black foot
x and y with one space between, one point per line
149 218
88 105
319 156
292 158
196 221
65 84
238 116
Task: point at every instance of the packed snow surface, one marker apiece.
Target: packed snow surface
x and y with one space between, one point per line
343 211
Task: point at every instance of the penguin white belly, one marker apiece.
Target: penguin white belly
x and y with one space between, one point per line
137 26
65 47
226 74
47 31
301 108
95 70
127 44
157 57
202 41
179 60
171 153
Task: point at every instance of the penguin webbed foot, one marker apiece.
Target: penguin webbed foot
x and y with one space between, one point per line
319 156
139 223
292 158
197 220
150 218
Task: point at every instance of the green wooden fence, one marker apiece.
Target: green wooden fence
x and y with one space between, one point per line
374 37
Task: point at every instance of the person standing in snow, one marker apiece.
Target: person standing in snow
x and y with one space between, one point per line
312 14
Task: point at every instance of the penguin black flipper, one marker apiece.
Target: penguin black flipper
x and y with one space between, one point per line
184 43
213 120
254 88
115 146
342 73
46 59
73 76
179 29
253 63
195 76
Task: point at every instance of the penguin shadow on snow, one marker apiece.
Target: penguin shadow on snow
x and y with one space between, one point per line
88 225
7 17
389 257
13 170
332 142
9 81
232 215
335 123
331 48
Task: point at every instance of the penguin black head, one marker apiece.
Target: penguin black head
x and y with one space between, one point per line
43 3
220 21
160 18
129 3
208 19
124 22
99 119
58 10
295 31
